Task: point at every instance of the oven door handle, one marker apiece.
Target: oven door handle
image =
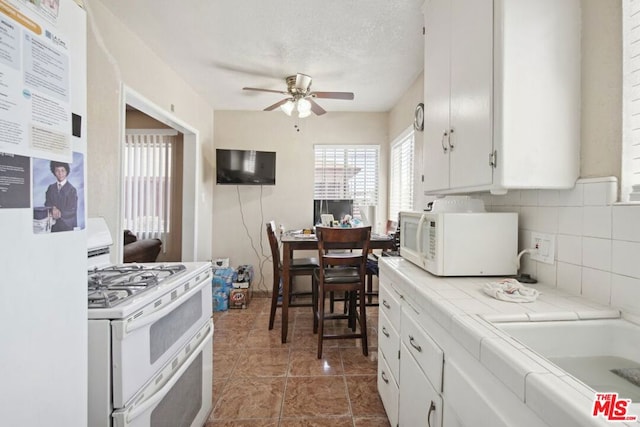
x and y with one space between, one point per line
136 411
124 327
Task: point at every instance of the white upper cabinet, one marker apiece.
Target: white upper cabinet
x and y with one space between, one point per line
502 95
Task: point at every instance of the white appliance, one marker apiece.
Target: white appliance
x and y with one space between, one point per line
458 238
150 340
43 314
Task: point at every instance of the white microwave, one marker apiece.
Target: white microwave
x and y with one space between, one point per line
461 243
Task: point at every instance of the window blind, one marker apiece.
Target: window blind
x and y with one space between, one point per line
631 102
148 160
347 172
401 174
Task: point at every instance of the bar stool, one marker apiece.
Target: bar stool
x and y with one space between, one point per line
299 267
341 271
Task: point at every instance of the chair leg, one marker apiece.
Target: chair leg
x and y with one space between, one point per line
353 317
344 306
331 301
274 301
363 323
369 288
314 303
321 297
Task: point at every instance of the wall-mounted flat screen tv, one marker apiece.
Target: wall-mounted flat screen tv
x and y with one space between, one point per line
245 167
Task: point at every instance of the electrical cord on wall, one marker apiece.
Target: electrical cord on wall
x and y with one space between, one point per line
523 277
262 258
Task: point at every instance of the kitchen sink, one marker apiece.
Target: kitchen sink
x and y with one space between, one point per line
590 350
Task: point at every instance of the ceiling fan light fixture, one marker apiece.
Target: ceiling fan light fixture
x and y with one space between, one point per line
303 114
287 107
304 106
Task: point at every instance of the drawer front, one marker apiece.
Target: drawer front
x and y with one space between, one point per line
388 390
424 349
390 304
389 343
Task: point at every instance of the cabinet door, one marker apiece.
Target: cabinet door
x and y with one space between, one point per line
389 344
471 83
436 96
388 391
419 404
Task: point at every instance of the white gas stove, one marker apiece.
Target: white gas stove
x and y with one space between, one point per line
150 336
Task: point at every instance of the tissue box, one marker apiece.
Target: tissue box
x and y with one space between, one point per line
220 263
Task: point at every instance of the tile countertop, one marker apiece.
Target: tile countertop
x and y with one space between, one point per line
462 309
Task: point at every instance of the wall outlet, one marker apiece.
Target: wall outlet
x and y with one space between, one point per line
545 247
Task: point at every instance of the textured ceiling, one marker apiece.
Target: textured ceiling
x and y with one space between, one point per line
373 48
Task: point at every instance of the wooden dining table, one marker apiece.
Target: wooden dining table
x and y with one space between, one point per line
298 242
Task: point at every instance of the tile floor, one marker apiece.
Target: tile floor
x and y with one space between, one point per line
258 381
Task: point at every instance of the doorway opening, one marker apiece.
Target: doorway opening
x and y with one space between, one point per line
169 213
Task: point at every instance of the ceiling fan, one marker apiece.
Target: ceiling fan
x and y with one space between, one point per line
300 96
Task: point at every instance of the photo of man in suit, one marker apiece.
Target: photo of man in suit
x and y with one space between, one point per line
62 198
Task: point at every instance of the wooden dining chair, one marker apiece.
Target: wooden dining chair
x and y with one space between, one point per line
341 271
372 262
298 267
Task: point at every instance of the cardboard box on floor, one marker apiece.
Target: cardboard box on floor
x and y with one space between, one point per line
239 297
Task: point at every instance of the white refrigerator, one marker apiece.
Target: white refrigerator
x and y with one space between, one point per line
43 248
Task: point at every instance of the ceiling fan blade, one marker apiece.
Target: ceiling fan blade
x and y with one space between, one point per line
317 109
333 95
276 105
266 90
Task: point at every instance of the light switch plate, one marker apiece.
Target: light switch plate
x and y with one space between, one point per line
545 247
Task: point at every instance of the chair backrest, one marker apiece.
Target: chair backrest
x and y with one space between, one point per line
394 232
357 238
275 248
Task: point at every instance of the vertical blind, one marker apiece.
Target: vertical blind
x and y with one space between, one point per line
148 160
401 175
347 172
631 101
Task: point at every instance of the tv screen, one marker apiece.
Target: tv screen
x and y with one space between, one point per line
245 167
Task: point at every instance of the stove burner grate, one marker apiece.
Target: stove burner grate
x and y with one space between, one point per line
110 286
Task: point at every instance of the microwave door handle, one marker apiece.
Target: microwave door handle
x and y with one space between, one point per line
419 236
124 327
152 400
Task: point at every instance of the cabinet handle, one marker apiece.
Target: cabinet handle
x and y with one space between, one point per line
386 304
449 139
384 378
444 147
432 408
384 331
412 342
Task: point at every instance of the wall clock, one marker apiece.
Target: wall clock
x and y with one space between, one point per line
418 119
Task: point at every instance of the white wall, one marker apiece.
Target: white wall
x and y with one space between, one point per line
116 56
290 201
401 117
601 121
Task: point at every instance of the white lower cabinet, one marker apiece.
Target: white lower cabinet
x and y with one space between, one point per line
389 351
388 390
434 381
420 404
410 363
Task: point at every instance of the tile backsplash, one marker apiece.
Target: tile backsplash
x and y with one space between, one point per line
597 240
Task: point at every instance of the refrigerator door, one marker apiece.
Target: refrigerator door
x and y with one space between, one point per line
43 296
